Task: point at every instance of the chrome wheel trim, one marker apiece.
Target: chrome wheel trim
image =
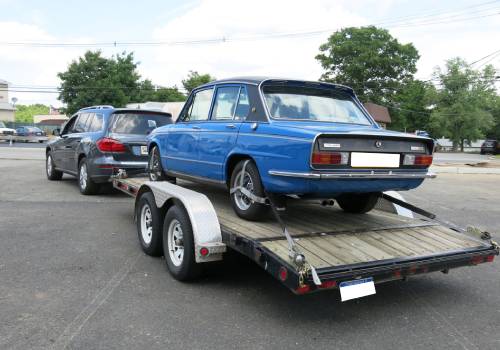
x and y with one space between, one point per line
146 224
175 241
49 165
154 166
83 176
242 201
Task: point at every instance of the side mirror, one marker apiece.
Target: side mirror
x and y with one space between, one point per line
56 132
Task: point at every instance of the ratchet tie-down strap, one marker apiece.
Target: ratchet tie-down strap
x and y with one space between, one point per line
294 252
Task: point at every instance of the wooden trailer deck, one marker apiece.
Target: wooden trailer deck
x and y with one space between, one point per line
330 237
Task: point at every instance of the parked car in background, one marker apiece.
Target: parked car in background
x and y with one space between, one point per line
30 134
6 133
490 147
99 139
295 138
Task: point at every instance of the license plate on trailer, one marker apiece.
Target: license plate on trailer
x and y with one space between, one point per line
144 150
356 288
374 160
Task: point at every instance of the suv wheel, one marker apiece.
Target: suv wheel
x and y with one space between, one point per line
85 183
52 173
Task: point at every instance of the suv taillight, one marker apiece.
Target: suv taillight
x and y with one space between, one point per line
107 144
417 159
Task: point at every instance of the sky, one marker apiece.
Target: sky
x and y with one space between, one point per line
251 37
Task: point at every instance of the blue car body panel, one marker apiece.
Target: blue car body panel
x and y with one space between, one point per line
205 150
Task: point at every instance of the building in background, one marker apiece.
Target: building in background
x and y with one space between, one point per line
173 108
379 113
6 108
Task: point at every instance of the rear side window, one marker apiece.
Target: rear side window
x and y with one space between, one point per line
96 123
243 107
225 102
81 123
138 123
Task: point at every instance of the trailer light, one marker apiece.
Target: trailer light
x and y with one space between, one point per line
283 273
204 251
328 284
330 158
476 260
417 159
303 289
107 144
490 258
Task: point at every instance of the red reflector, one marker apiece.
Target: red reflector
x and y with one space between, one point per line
204 251
328 284
283 273
477 260
490 258
397 273
334 158
303 290
107 144
424 160
105 166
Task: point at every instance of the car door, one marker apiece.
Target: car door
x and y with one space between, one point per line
218 136
58 147
72 142
181 146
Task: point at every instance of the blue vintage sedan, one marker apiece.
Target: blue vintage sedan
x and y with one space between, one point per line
282 138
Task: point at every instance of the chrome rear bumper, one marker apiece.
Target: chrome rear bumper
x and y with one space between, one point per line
353 175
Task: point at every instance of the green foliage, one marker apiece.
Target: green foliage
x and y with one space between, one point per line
25 113
96 80
195 79
464 102
369 60
410 109
148 92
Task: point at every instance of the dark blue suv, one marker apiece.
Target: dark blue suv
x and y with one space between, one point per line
98 140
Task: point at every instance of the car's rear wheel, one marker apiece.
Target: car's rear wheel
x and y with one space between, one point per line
358 203
85 183
246 207
52 173
155 168
178 245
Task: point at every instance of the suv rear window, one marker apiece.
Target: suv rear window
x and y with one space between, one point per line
138 123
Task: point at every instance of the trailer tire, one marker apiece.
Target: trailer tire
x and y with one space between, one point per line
179 245
149 225
52 173
358 203
243 206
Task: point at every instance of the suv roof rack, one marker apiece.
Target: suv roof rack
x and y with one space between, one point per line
97 107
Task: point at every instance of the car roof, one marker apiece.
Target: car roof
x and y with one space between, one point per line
111 110
257 80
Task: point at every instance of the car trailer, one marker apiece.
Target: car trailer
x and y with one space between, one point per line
310 246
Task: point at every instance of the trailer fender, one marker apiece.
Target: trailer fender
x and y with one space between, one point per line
204 221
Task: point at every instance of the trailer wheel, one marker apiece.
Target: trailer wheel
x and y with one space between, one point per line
358 203
149 222
178 245
245 207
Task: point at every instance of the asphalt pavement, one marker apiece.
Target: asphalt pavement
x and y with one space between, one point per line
72 275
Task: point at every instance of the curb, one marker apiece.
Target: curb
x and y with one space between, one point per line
464 170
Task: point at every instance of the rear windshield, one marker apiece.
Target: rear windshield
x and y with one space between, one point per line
312 104
138 123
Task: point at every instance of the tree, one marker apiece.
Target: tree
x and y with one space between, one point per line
410 109
25 113
96 80
149 92
194 79
369 60
464 101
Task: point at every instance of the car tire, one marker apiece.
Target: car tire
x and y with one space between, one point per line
85 183
242 205
179 246
149 225
50 169
155 169
358 203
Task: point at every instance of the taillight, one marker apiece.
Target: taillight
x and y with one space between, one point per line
107 144
330 158
417 159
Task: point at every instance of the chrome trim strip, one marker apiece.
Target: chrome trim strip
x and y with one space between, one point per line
275 136
370 175
191 160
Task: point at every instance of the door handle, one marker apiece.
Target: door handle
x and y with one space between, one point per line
231 126
196 127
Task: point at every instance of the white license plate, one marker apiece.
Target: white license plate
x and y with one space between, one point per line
356 288
144 150
374 160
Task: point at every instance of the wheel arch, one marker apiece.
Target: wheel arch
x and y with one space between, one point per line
231 162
